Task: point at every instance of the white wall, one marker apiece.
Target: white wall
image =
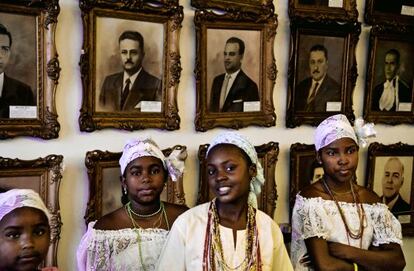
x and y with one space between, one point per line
73 144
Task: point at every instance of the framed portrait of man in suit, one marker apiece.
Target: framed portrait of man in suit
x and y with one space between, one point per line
389 94
390 174
130 65
395 13
253 6
235 69
267 154
29 69
42 175
105 193
322 71
320 10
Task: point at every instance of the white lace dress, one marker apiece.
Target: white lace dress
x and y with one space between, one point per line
316 217
118 250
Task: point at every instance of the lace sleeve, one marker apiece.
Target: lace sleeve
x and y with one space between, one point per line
310 217
387 229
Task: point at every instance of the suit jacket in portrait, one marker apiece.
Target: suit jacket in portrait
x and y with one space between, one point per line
329 91
243 90
404 95
314 2
146 87
400 205
14 93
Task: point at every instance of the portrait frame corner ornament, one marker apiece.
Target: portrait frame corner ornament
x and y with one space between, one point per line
398 151
206 118
48 170
162 111
45 124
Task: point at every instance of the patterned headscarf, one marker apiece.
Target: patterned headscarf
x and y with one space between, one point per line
18 198
337 126
136 148
242 143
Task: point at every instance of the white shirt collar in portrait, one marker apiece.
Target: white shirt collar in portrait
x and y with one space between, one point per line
391 203
131 78
231 80
1 83
389 95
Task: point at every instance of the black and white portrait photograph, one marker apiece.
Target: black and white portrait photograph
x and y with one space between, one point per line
18 67
233 70
393 183
129 63
393 74
319 73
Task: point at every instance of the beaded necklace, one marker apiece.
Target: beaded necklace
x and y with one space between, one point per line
213 250
145 216
360 210
137 227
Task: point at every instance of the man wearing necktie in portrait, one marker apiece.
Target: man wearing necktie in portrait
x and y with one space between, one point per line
389 95
233 88
313 93
125 90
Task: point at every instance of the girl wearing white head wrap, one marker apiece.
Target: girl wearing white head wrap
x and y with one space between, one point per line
335 221
131 237
24 230
228 233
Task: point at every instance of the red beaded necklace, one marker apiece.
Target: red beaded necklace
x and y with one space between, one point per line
360 210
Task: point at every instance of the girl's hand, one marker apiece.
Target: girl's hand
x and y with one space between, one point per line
306 261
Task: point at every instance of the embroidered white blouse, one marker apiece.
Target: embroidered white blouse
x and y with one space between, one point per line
118 250
316 217
185 244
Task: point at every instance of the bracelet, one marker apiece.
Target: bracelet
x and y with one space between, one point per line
355 267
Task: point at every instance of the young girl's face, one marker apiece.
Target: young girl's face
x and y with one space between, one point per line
144 179
340 159
229 173
24 239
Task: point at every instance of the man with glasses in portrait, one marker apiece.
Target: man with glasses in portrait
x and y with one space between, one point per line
12 91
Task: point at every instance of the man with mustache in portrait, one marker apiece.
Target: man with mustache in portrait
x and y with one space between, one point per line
125 90
313 93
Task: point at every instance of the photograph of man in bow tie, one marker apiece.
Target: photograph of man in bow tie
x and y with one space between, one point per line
391 93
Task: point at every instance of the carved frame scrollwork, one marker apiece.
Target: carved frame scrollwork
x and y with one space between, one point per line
320 13
265 24
268 155
97 161
48 171
235 6
165 12
45 124
349 32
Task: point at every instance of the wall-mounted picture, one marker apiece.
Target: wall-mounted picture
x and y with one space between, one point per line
390 81
304 169
42 175
105 190
322 72
29 69
267 154
391 176
252 6
235 70
130 66
320 10
390 12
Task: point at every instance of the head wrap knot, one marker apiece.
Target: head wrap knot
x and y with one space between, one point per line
135 148
337 126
